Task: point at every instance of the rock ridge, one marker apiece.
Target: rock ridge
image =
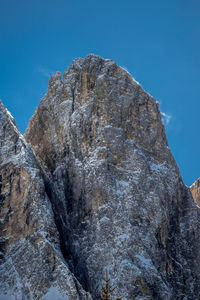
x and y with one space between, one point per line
195 190
32 266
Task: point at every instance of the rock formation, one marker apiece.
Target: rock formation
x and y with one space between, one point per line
96 163
32 266
195 190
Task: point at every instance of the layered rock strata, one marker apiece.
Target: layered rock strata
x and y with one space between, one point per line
32 265
118 199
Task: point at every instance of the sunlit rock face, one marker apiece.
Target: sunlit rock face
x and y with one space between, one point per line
118 199
32 265
195 190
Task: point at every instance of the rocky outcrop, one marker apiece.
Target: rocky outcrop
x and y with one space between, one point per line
195 190
32 265
119 203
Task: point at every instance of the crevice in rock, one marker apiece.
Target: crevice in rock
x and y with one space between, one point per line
62 220
65 224
72 90
57 207
2 197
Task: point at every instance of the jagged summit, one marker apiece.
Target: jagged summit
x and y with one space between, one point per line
195 190
115 194
11 139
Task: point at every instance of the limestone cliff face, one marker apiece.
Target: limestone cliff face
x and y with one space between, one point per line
32 265
195 190
118 199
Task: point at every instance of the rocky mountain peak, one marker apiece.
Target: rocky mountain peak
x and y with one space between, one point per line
195 190
11 139
115 195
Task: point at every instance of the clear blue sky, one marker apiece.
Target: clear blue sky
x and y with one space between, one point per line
158 41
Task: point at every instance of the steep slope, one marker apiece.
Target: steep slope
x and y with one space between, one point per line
32 266
195 190
119 201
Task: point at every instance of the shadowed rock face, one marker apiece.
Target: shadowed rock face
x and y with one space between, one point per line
32 266
195 190
119 202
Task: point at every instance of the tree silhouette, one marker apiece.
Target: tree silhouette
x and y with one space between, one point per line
106 290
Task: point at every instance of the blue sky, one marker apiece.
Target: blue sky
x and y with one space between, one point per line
157 41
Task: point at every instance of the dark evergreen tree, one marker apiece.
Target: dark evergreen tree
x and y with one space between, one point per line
106 290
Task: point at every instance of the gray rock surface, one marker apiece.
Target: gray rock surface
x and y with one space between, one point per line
31 263
118 199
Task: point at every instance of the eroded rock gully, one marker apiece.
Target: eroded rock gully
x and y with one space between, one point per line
101 186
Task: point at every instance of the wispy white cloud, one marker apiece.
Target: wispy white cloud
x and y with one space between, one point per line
166 118
46 72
